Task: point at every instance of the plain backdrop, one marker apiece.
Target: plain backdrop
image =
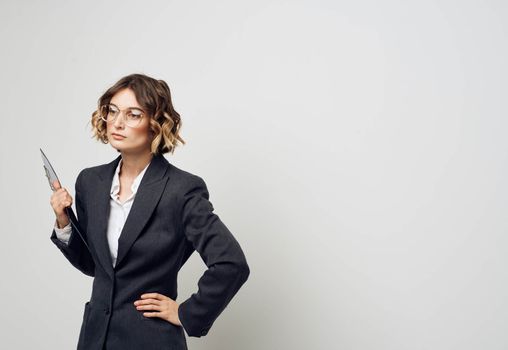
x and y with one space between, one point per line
356 149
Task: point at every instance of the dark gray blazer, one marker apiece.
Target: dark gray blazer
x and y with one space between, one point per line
171 216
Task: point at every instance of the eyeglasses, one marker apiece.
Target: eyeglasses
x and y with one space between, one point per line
132 116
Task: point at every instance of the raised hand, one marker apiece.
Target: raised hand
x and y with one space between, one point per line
60 199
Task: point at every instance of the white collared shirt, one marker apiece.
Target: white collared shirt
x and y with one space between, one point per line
117 216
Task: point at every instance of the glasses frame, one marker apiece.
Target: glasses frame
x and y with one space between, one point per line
121 111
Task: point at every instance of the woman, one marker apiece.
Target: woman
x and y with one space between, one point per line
142 218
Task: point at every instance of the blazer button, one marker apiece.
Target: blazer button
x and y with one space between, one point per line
106 311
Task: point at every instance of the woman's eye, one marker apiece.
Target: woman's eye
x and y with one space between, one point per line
134 115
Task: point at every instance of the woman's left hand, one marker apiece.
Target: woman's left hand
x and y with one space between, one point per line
167 308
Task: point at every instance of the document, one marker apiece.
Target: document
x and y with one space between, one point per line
51 175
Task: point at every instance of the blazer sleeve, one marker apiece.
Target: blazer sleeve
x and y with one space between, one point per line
227 267
75 250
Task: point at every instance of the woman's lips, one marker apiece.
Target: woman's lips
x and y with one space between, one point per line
117 137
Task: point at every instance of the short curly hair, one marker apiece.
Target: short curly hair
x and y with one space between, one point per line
154 97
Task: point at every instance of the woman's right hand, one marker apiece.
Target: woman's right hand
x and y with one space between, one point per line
60 199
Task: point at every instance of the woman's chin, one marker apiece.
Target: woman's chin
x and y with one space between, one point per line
119 148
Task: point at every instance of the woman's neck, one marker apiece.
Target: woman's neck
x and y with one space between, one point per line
132 165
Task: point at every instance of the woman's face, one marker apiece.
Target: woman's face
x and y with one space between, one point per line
135 139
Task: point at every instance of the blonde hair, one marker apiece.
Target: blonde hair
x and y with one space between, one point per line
154 97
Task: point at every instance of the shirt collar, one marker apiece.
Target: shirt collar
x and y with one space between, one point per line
115 186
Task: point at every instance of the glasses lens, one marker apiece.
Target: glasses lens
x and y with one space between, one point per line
108 113
133 117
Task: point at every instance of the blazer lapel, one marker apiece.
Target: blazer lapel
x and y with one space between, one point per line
147 196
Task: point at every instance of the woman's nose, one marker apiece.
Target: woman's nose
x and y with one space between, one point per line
119 120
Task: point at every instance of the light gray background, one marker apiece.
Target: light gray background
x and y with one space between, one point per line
357 150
